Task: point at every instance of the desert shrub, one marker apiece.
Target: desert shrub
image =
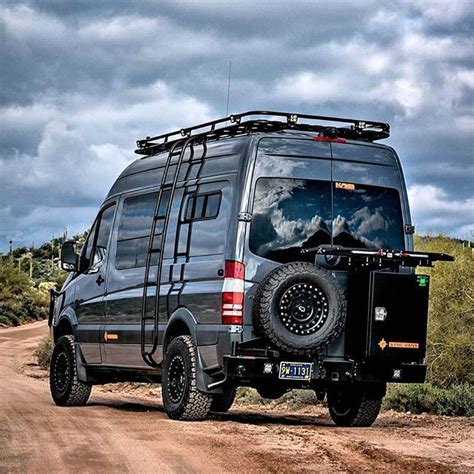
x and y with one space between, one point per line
293 399
450 356
457 400
248 396
20 299
299 398
43 352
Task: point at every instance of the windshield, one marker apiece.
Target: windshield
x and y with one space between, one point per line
291 214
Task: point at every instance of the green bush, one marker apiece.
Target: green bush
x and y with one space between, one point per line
43 352
20 299
450 356
458 400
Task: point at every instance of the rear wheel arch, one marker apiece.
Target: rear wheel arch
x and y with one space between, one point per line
181 323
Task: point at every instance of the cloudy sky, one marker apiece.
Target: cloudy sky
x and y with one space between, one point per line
80 81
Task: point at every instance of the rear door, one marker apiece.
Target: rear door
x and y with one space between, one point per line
368 198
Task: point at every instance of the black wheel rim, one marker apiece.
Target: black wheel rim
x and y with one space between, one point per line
340 404
176 379
61 372
304 309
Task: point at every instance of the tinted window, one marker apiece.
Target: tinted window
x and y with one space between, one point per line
212 206
102 241
87 249
95 249
135 227
202 206
209 231
137 214
290 214
367 217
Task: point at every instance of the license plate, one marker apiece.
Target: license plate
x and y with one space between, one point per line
296 370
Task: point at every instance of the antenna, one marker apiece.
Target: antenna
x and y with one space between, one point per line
228 90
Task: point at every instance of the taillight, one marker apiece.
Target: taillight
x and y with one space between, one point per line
232 306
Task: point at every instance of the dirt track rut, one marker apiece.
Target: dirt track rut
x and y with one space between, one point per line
130 433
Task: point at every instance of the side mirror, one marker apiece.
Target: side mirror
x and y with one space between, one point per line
69 257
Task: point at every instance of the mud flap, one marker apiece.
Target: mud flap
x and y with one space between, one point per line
204 381
80 365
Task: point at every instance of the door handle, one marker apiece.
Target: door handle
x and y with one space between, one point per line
100 280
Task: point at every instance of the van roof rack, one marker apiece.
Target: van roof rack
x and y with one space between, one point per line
358 129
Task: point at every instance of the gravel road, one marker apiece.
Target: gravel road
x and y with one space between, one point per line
125 432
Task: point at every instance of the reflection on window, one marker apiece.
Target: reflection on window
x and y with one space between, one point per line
105 226
202 206
135 227
93 255
367 217
293 214
288 215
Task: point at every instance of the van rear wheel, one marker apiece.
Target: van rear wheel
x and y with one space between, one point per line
181 398
352 407
221 402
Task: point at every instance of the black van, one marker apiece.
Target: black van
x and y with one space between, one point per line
265 249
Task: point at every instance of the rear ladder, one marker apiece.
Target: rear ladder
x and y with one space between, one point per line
156 246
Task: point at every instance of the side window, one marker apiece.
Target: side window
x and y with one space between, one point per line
202 206
86 253
103 234
135 227
209 221
95 249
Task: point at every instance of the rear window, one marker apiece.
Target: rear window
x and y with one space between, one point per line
291 214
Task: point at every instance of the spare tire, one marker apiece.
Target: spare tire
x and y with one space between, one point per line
300 307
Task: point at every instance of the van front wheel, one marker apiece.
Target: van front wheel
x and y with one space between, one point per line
353 407
66 388
181 398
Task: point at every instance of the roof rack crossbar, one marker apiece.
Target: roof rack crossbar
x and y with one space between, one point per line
359 129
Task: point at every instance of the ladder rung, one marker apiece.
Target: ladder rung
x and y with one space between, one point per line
154 251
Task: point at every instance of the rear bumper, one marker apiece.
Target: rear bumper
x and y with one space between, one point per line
250 370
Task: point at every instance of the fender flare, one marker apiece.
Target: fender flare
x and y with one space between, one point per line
180 316
68 314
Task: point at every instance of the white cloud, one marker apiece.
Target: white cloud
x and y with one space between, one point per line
433 210
65 165
442 12
80 85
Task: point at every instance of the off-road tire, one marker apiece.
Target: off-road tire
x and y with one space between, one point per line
193 404
66 388
359 409
266 308
221 402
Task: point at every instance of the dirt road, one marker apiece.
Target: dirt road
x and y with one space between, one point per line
125 433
